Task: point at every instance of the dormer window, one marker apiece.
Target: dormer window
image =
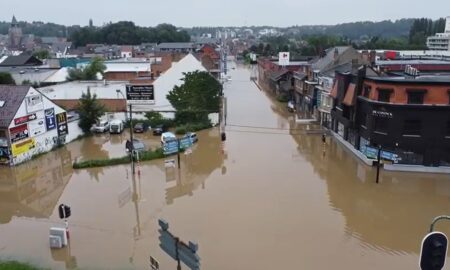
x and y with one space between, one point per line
2 103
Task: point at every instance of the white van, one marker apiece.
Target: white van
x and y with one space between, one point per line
116 126
167 136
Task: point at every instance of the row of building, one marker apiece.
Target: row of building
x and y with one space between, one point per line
400 105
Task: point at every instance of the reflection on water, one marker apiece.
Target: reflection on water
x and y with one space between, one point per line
196 167
33 189
393 215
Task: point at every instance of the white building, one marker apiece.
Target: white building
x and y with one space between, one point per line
440 41
30 124
168 80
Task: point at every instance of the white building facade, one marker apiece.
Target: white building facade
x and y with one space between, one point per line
440 41
37 126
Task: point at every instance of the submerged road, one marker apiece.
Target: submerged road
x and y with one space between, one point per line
277 198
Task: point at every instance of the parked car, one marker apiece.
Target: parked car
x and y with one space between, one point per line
101 127
167 136
191 135
140 128
138 145
116 126
160 129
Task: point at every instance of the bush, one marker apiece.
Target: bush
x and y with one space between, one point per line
282 98
13 265
144 156
192 127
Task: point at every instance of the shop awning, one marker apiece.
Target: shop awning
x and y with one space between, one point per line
349 99
334 90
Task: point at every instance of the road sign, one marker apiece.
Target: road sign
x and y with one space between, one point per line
154 264
187 253
371 152
283 58
170 147
140 94
389 156
434 251
185 142
50 121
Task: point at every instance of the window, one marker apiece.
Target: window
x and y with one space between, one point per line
2 103
412 128
416 97
384 95
367 90
381 125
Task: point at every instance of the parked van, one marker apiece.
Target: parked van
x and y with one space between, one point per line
167 136
116 126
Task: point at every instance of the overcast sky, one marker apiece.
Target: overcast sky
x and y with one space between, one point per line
221 13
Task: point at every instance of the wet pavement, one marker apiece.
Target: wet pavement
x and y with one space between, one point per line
276 198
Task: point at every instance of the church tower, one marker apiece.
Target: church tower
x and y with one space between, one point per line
15 34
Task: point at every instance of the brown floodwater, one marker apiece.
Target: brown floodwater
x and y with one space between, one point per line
275 198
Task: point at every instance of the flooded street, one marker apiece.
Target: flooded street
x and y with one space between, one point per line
277 198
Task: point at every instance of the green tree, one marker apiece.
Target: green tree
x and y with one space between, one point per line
197 97
42 54
6 78
90 110
89 72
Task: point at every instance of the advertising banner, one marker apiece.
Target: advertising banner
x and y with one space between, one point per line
19 133
23 147
34 103
50 121
61 123
25 119
140 94
36 127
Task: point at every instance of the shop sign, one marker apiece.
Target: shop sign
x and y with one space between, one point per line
383 114
19 133
23 147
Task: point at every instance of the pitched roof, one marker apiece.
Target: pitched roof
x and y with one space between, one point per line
328 58
14 20
176 45
276 75
21 60
12 96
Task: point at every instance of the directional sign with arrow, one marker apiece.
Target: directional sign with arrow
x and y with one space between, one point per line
61 123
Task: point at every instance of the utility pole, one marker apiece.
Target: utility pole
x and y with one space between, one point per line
131 140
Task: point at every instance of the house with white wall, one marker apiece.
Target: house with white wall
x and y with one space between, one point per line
30 124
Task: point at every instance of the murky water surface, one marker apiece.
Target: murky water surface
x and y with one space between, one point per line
276 198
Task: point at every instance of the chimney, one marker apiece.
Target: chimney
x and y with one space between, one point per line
372 57
336 53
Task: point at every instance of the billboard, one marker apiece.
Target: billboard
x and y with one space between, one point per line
19 133
25 119
22 147
283 58
140 94
61 123
34 103
50 121
36 127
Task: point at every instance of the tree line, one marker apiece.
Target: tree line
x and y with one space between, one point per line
123 33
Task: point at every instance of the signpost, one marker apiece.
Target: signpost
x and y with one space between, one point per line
140 94
177 249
